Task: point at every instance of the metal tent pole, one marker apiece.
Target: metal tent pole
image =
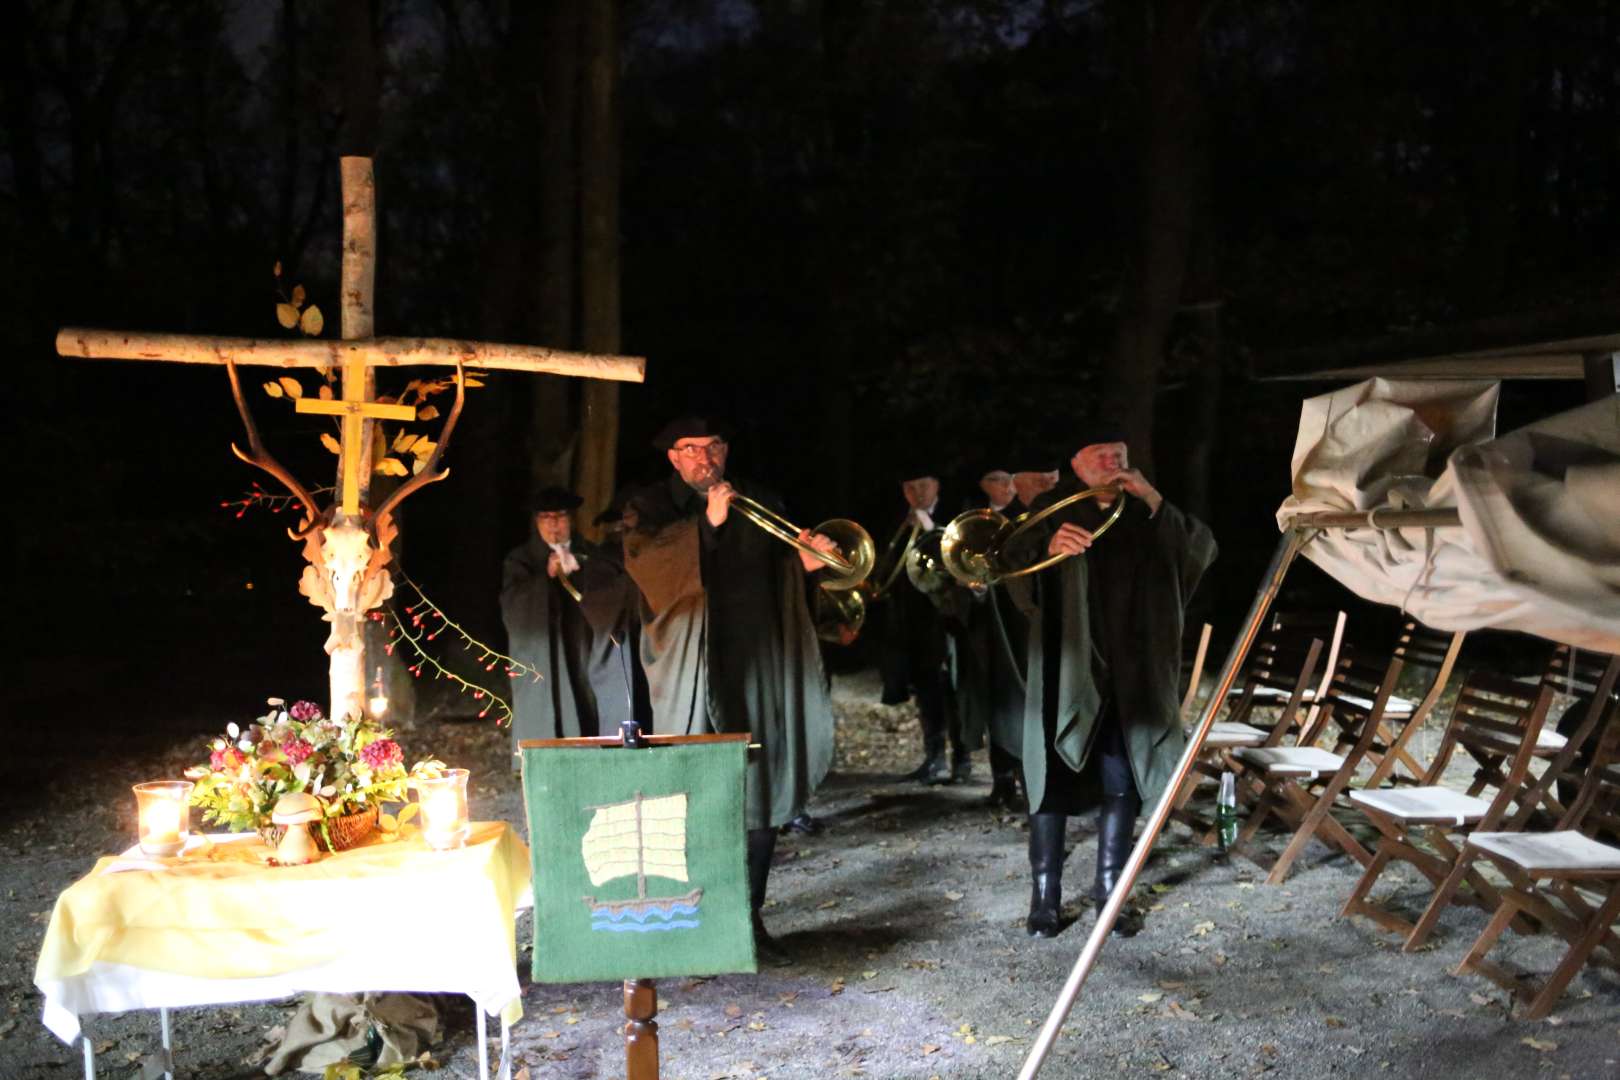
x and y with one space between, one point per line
1287 548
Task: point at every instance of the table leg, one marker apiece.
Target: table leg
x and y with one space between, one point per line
168 1048
505 1071
483 1045
89 1055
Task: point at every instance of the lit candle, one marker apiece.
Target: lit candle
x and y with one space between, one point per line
444 809
162 816
162 822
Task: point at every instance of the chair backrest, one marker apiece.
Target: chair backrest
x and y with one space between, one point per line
1495 721
1193 666
1426 652
1278 672
1595 811
1594 679
1354 707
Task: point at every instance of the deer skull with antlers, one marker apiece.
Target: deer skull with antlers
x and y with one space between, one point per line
348 559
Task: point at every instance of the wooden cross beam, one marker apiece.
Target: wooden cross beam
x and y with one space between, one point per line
357 355
380 352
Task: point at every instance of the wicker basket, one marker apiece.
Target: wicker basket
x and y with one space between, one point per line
348 830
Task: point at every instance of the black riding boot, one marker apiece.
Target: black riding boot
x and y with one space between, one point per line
933 770
761 846
1115 822
1046 875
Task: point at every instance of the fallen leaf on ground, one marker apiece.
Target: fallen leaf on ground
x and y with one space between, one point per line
825 904
1200 929
1542 1045
997 1040
734 1011
929 1048
1150 997
869 974
1333 1021
953 895
1180 1012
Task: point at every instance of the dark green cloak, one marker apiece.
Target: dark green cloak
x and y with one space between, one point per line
1129 647
581 684
728 644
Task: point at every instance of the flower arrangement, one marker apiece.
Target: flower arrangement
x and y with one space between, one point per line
350 765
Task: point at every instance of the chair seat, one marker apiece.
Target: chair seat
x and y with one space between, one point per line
1566 851
1226 736
1423 805
1549 742
1292 760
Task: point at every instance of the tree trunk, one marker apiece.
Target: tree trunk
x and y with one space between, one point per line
1163 39
599 249
552 434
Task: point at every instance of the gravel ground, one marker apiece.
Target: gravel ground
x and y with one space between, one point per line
904 920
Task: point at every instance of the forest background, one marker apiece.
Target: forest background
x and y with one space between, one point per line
870 234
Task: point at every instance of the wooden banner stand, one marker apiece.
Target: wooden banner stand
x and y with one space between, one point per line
640 995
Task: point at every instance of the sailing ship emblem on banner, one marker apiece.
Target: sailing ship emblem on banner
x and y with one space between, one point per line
639 860
640 838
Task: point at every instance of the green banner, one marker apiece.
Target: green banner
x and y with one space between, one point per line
639 864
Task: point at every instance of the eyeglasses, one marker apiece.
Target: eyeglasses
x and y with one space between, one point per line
694 451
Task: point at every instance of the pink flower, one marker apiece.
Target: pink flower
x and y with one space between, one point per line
381 754
305 711
297 750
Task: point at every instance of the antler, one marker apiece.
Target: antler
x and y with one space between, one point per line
428 474
261 457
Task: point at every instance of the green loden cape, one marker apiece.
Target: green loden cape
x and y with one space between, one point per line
581 682
728 644
1152 564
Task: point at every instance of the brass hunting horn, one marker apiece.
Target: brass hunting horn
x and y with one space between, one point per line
977 547
850 563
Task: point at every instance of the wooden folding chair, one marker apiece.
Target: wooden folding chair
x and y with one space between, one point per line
1301 783
1495 721
1280 667
1593 677
1580 866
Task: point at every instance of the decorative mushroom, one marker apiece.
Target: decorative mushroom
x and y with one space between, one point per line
296 812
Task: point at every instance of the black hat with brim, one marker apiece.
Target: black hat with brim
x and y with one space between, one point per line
552 500
689 427
1099 431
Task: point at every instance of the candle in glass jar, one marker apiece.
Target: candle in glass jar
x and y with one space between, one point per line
444 809
162 816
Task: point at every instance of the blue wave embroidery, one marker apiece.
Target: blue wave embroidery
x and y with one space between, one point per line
642 928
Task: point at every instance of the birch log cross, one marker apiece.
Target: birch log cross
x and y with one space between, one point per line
346 544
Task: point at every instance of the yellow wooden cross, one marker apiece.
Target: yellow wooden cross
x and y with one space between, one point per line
355 410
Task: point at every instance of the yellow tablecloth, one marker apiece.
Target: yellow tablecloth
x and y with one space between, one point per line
220 924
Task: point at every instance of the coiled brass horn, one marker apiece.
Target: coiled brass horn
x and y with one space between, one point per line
909 529
850 563
924 566
977 546
839 614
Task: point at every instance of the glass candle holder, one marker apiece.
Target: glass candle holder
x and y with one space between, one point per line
164 815
444 809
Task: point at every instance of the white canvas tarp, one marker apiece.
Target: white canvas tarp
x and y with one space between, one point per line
1539 545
